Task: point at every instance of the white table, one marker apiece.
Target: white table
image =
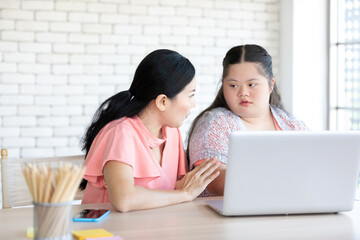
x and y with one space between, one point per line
195 220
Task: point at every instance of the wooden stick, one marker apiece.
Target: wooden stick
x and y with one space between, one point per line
27 177
63 181
48 185
72 187
77 181
34 182
53 185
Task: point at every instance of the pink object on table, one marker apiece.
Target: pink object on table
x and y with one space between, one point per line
106 238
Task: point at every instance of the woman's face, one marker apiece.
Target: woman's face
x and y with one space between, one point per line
246 91
180 105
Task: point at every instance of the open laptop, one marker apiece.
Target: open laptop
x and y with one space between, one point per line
283 172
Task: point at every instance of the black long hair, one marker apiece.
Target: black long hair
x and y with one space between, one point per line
160 72
239 54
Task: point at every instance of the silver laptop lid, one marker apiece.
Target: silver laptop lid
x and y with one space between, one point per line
291 172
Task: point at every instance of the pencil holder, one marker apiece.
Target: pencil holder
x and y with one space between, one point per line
52 221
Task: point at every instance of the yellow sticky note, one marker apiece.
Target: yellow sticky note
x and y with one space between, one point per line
30 232
91 233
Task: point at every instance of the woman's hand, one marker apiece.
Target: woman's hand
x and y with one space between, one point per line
195 181
125 196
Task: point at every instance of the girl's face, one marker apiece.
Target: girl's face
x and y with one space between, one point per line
180 106
246 91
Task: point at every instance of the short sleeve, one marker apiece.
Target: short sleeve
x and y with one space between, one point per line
121 144
211 135
286 121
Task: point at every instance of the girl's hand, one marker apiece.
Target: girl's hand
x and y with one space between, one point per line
195 181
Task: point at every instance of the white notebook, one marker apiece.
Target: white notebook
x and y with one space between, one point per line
281 172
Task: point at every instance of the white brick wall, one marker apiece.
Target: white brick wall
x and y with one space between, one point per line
60 59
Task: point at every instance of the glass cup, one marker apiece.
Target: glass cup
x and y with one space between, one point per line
52 221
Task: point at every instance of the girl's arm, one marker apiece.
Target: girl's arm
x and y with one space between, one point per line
217 186
126 196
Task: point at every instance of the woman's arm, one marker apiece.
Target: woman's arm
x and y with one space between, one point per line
217 186
126 196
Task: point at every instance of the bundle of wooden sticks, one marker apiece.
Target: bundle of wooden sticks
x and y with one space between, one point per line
53 185
52 190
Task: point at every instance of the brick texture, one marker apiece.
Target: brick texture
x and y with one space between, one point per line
59 59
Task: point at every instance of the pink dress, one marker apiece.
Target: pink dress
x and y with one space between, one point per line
128 141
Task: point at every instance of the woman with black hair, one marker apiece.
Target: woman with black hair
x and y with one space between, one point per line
248 99
134 151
